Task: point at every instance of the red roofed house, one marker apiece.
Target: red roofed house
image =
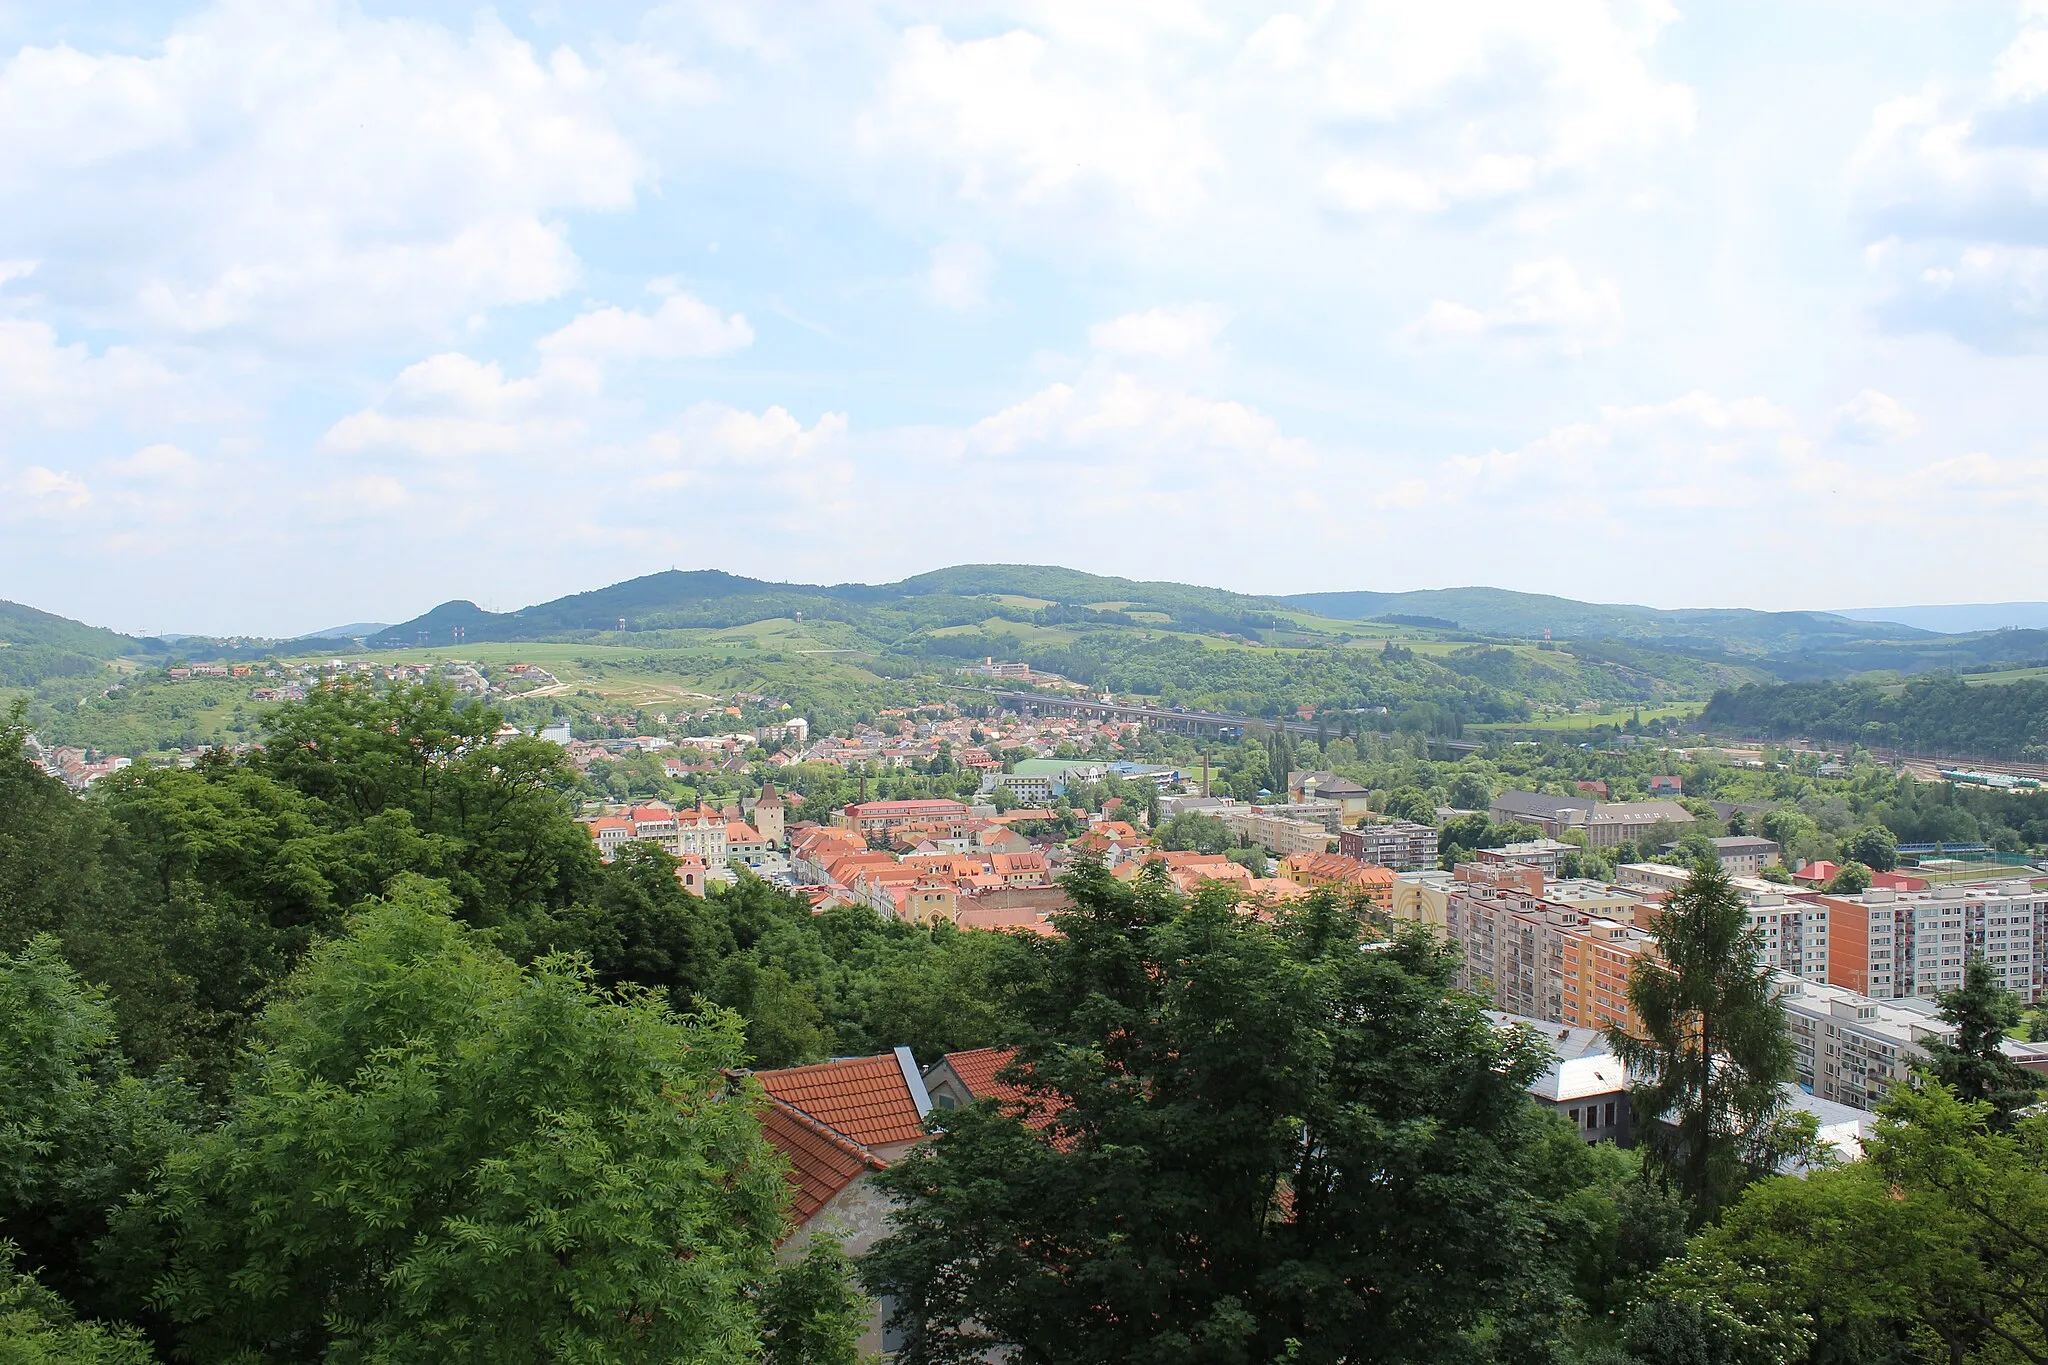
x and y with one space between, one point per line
837 1123
960 1078
609 832
744 843
1353 875
870 818
1020 869
1817 874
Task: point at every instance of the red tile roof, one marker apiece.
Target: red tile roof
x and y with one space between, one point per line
866 1098
821 1161
977 1071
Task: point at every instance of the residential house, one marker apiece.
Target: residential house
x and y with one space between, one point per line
837 1124
1348 875
1545 855
1284 835
872 818
1354 800
1585 1082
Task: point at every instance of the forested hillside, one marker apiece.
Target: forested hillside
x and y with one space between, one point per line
35 645
1927 715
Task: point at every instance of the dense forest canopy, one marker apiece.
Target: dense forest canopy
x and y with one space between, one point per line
1926 715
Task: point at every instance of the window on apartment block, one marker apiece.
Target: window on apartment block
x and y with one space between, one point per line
1575 1118
1610 1114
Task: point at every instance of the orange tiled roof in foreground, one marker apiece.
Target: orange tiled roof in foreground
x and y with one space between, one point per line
821 1162
866 1098
977 1071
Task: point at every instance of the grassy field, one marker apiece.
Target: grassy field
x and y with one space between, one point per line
2010 675
1976 872
1589 720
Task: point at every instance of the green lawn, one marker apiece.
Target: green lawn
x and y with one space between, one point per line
1589 720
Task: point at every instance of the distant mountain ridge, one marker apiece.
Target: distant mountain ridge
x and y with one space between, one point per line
940 612
1960 618
710 598
1497 611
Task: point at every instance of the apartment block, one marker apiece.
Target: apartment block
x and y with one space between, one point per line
1793 927
1399 844
1423 896
1543 854
1851 1048
1533 951
1899 945
1283 834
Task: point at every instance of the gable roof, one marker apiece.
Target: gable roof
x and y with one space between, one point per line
871 1100
821 1162
977 1071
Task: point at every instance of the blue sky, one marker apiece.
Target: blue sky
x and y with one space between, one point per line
315 312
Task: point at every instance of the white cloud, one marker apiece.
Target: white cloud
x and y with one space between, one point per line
453 405
1697 454
1184 333
1873 418
681 328
1548 308
49 493
1159 437
53 385
307 172
1087 115
1024 122
1476 102
160 463
1954 184
711 439
959 275
356 498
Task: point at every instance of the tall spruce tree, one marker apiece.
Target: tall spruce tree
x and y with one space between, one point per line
1712 1052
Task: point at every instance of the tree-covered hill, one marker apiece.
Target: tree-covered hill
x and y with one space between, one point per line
1927 715
35 645
1493 611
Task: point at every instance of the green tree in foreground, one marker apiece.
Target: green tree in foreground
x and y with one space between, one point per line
1269 1144
1930 1249
77 1132
441 1157
37 1327
1714 1050
1983 1011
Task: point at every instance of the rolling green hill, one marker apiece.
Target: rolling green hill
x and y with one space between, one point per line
709 599
1494 611
35 645
1437 660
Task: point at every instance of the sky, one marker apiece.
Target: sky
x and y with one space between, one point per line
315 313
